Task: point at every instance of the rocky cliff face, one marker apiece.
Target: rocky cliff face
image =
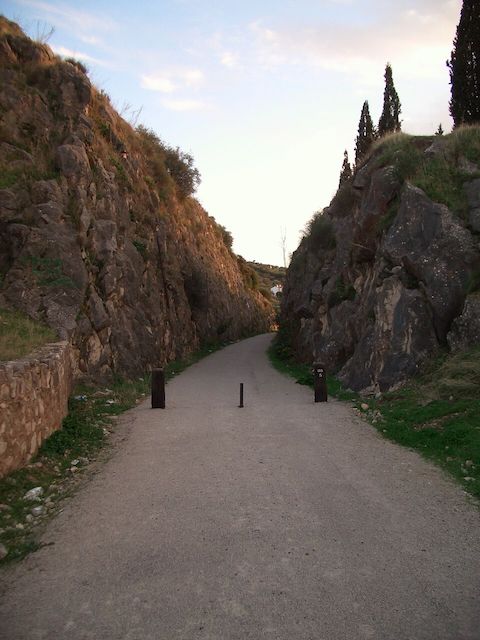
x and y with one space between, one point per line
390 272
97 236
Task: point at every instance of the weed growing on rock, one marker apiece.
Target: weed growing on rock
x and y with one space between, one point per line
141 247
342 292
48 272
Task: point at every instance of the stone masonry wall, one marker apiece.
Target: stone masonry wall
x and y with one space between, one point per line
34 395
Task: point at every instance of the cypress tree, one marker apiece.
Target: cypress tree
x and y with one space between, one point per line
464 66
366 133
346 172
390 118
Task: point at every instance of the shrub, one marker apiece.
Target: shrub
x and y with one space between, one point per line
180 166
79 65
226 236
170 161
249 276
341 293
320 233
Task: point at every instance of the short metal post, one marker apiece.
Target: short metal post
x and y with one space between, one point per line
320 382
240 406
158 389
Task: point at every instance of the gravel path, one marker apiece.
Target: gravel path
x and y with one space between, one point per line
284 520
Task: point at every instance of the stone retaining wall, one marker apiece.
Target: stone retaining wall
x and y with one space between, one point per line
34 395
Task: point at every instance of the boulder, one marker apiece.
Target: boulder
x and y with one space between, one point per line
437 252
72 160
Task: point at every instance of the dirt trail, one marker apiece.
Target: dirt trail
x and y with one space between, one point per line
284 520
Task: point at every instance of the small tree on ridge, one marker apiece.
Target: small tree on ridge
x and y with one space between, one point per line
346 172
366 133
390 118
464 66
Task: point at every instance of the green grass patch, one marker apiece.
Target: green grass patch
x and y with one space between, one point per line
19 335
281 357
141 247
435 414
439 175
387 219
91 417
48 272
24 176
9 177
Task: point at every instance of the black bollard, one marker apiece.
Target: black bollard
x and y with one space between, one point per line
320 382
240 406
158 389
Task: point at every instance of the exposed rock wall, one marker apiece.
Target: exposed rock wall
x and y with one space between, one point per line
387 275
34 395
96 239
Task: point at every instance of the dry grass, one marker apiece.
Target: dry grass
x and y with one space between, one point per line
19 335
457 376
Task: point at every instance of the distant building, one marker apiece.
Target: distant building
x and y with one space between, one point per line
277 290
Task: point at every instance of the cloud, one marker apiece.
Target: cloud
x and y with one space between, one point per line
229 59
191 77
184 105
76 20
391 34
171 80
91 40
157 83
78 55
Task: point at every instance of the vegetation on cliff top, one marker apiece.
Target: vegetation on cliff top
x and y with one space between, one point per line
268 275
441 173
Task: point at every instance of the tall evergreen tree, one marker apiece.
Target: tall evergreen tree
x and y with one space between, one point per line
366 133
346 172
464 66
390 118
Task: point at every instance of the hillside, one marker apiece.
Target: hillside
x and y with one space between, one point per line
99 235
268 275
389 274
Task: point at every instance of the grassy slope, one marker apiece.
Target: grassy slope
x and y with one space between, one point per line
442 174
268 275
85 431
436 414
19 335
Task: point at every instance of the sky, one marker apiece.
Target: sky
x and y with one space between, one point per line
265 94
